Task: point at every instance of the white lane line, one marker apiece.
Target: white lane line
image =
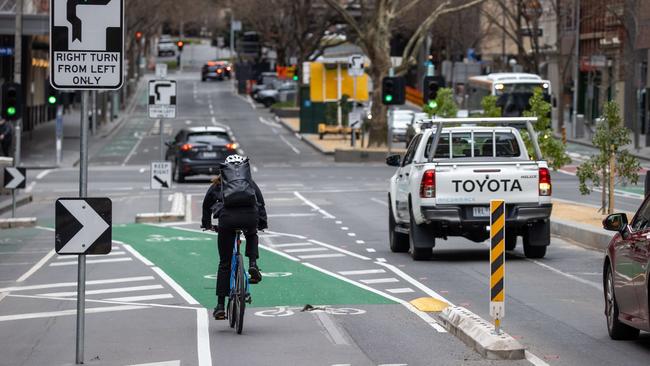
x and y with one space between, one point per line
534 359
71 284
111 254
188 208
370 250
289 144
352 234
376 200
181 291
142 298
379 280
381 260
203 337
314 206
335 334
106 302
30 187
104 291
92 261
51 314
316 256
42 174
360 242
133 150
340 250
414 282
137 255
282 254
338 222
345 228
424 316
162 363
596 285
36 266
3 295
214 121
361 272
404 290
293 215
305 250
291 245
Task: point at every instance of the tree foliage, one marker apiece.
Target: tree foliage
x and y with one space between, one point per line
490 107
553 149
610 138
443 106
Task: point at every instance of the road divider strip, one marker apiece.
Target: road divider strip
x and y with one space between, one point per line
177 213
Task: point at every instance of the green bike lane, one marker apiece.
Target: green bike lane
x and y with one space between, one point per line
191 259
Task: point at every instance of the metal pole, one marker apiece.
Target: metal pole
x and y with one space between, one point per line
59 133
93 112
18 58
162 158
232 38
83 192
354 108
576 69
391 73
339 117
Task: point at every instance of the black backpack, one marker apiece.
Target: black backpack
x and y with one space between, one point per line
237 188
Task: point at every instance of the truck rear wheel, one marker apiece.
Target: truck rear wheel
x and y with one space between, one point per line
421 241
511 241
399 243
536 239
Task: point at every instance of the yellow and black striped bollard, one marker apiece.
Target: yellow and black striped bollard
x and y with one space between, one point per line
497 261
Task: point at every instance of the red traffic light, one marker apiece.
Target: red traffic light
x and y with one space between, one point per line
138 35
180 44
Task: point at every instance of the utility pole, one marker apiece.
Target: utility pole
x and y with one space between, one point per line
576 70
18 43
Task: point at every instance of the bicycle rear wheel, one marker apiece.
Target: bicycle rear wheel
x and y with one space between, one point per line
240 297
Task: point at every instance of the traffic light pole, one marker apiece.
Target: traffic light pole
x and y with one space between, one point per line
18 56
81 262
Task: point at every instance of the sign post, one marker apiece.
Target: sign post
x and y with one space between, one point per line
497 261
162 104
86 53
355 69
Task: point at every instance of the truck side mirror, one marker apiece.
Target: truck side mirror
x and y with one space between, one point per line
615 222
393 160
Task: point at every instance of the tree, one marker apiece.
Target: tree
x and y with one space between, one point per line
443 106
553 150
490 107
373 31
613 164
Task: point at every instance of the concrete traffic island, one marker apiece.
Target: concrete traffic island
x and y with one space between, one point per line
177 212
18 222
479 334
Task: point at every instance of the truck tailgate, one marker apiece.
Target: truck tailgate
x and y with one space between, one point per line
478 183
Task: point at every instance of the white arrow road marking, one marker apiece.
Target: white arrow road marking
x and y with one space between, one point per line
92 226
163 363
17 178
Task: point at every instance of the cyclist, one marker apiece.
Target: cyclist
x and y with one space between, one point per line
248 219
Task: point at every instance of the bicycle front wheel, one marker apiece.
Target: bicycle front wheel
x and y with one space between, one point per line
231 312
240 297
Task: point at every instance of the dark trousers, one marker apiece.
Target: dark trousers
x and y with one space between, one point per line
229 222
6 147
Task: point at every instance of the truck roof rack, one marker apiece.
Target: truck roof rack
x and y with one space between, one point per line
439 122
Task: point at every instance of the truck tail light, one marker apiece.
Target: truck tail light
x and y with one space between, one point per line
545 187
428 184
186 147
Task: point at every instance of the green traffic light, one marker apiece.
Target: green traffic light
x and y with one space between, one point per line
51 99
433 104
388 98
11 111
295 78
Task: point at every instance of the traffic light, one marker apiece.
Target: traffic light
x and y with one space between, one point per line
138 35
53 95
393 90
12 101
180 45
430 89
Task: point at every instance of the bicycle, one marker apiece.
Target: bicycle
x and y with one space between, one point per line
239 291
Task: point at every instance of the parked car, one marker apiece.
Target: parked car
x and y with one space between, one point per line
625 274
166 47
198 150
266 80
280 92
398 120
215 70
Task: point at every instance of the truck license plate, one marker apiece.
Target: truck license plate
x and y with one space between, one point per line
481 211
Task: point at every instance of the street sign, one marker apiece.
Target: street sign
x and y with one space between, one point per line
15 178
236 25
83 225
355 65
161 71
161 175
162 99
86 44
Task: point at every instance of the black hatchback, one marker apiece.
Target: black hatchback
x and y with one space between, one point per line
198 150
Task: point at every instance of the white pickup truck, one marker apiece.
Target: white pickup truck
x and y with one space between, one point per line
444 183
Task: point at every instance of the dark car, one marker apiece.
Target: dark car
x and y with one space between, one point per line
625 274
215 70
198 150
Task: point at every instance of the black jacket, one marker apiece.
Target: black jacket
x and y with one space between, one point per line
5 129
212 205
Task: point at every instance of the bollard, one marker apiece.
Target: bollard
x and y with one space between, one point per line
497 261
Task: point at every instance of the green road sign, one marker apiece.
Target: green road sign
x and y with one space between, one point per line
190 258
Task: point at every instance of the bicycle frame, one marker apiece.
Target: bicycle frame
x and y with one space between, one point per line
233 266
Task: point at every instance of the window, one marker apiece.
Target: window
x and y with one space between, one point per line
461 145
442 151
642 219
507 145
483 144
410 153
208 138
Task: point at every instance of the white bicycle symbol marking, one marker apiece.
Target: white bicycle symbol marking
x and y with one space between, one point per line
283 311
165 239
